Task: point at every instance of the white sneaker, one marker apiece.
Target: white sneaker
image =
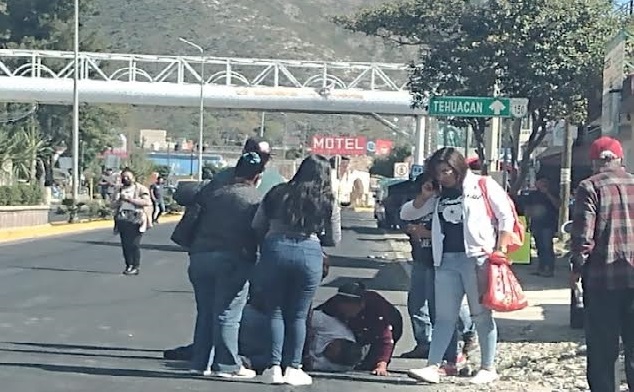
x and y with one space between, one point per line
430 374
484 377
195 372
297 377
242 373
273 375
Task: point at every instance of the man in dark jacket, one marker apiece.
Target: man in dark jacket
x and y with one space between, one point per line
374 321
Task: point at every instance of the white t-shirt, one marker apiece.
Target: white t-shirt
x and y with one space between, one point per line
326 329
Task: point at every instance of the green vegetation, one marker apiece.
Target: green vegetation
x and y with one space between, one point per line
549 52
385 166
21 195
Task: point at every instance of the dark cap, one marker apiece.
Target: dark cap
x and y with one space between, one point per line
256 144
351 290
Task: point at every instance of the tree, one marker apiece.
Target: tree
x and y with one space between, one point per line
549 52
48 24
385 166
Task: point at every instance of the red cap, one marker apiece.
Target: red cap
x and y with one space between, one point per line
606 147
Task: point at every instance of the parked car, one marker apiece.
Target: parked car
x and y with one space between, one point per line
390 196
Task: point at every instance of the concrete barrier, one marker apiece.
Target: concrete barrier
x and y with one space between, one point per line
23 216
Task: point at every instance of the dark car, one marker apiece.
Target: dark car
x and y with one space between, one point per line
390 197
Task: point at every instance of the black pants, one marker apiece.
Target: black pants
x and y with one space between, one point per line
130 242
609 315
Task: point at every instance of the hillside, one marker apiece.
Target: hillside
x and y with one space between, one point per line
288 29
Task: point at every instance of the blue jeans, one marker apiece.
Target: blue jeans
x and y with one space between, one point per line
288 275
456 276
220 281
545 248
420 300
255 337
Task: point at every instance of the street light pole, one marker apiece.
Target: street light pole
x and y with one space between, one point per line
75 136
202 105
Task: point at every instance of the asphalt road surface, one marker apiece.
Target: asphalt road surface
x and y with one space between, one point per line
69 321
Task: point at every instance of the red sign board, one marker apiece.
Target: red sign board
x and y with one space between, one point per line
339 145
383 146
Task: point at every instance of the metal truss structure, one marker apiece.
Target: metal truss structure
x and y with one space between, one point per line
255 84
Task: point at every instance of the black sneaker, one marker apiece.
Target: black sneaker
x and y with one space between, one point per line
419 352
127 269
131 271
183 353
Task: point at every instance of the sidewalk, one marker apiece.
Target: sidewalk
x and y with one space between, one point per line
62 228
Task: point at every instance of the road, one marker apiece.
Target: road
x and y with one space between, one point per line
69 321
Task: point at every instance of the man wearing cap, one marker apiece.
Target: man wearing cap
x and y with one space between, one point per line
374 321
602 241
188 198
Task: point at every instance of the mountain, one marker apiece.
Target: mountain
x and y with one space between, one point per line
286 29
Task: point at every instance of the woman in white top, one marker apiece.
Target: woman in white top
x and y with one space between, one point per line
463 235
132 219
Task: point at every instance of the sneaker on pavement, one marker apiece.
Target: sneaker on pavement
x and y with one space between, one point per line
195 372
242 373
297 377
429 374
484 377
273 375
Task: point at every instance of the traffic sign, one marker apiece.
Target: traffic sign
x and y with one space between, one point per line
401 170
416 171
477 107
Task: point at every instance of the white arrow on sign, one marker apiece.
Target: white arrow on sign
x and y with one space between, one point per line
497 107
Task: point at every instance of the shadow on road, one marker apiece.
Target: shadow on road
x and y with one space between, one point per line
162 248
390 276
54 269
61 346
95 371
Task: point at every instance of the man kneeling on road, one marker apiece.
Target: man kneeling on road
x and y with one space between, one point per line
375 322
330 344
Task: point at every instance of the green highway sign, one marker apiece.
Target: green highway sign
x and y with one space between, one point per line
477 107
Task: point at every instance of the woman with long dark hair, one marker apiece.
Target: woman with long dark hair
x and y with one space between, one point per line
463 235
292 218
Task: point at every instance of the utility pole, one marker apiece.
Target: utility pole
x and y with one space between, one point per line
420 148
75 136
565 175
262 124
201 108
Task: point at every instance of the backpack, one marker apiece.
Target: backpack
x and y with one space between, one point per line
519 231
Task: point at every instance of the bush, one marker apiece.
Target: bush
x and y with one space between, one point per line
21 195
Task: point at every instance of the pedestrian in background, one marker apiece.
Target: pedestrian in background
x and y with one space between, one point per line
542 206
417 216
132 218
158 199
291 218
602 242
222 256
463 234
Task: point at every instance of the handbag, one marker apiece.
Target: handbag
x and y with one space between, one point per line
185 230
504 292
135 217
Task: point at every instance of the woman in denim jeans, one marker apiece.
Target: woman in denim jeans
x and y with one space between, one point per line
290 268
417 216
462 236
222 256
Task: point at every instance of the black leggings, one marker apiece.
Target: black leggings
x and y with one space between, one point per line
130 242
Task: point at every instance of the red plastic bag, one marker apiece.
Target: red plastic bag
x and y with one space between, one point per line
504 293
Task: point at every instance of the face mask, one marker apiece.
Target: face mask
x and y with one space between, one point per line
126 182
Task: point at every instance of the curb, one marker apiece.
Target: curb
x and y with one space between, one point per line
363 209
55 229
